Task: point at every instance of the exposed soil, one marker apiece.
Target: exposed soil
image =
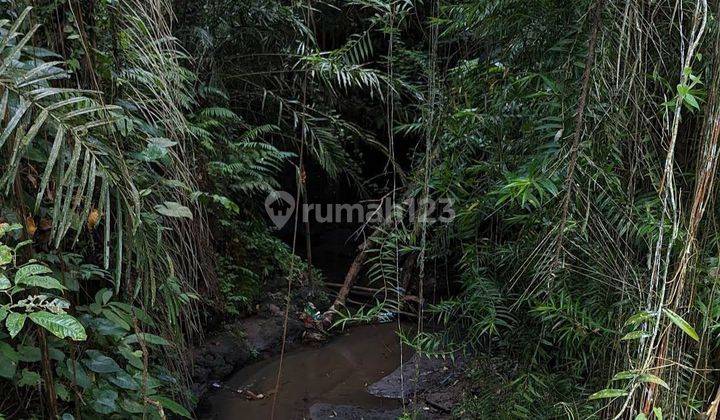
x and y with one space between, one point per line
241 343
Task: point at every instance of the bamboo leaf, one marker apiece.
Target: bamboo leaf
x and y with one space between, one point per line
635 335
89 110
39 70
682 324
650 378
49 165
69 101
658 413
12 32
638 318
10 127
624 375
10 56
28 138
608 393
4 103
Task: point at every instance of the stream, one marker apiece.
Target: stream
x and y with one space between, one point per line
323 382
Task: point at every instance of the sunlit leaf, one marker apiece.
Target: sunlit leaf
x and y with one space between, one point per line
173 209
650 378
14 323
635 335
44 282
31 270
608 393
638 318
4 282
6 255
682 324
60 325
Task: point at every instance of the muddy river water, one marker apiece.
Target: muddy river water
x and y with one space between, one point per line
336 373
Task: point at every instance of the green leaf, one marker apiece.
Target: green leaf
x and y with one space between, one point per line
100 363
62 391
9 359
152 382
4 282
648 377
171 405
173 209
641 416
44 282
638 318
29 354
624 375
148 338
129 309
29 378
3 313
115 319
75 373
608 393
682 324
104 401
156 149
635 335
14 323
641 377
106 327
31 270
104 296
123 380
690 99
56 354
5 228
658 413
22 244
683 90
132 406
133 357
61 325
6 255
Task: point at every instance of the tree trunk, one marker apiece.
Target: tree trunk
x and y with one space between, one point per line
350 278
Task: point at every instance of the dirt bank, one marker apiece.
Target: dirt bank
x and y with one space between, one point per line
239 344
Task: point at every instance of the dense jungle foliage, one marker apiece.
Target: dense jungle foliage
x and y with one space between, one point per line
577 140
